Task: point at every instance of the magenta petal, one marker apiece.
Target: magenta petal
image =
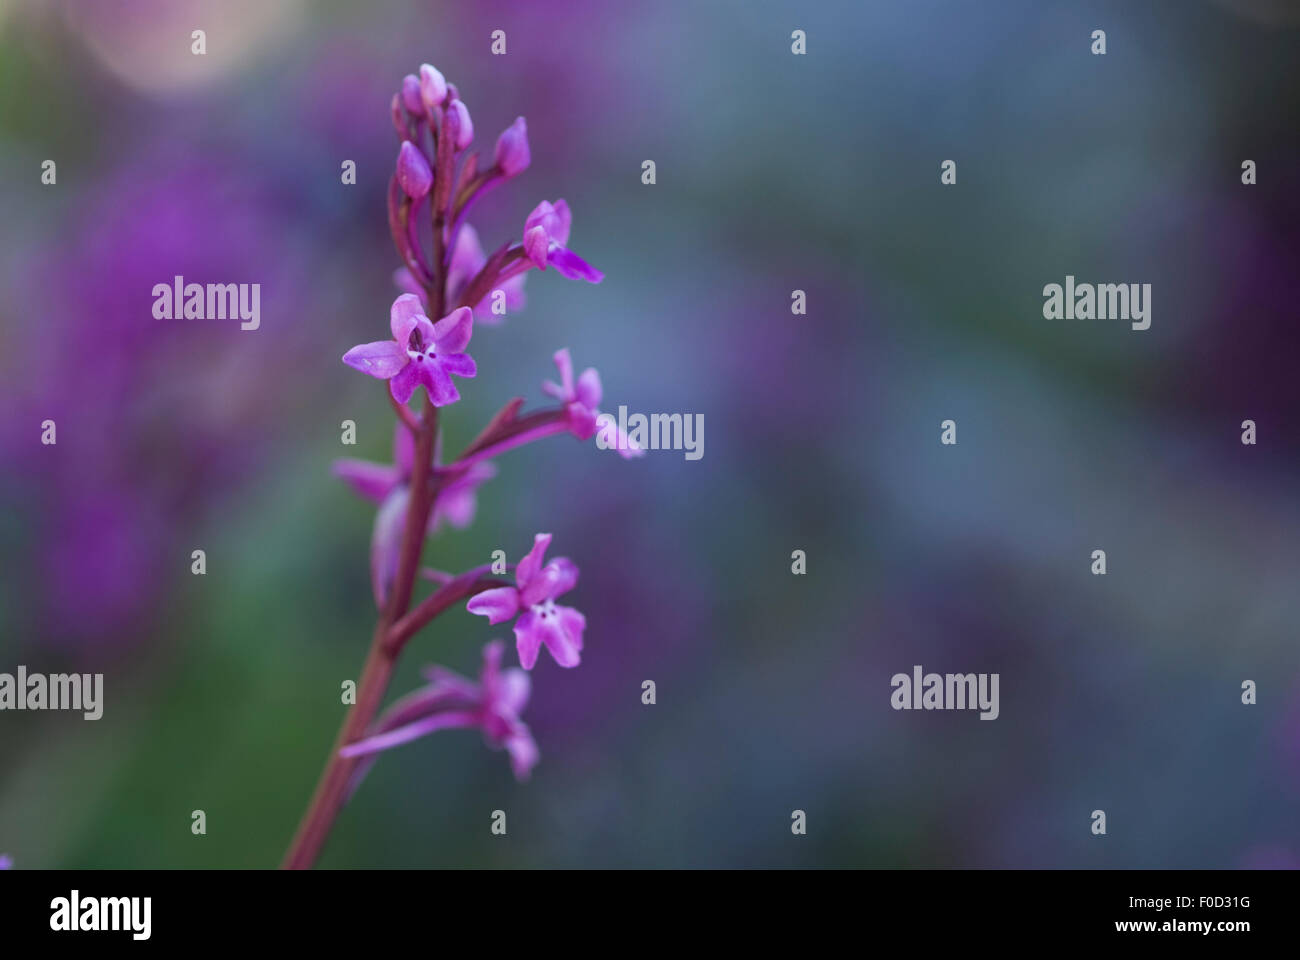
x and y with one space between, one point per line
589 392
570 265
537 245
403 318
523 753
532 561
382 359
451 334
559 222
374 481
386 543
513 688
528 640
564 364
461 364
498 604
412 731
556 578
404 384
574 624
435 379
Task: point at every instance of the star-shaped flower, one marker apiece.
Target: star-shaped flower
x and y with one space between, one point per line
420 353
540 621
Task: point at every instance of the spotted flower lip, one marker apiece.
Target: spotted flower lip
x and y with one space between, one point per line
451 701
546 233
420 354
540 621
582 402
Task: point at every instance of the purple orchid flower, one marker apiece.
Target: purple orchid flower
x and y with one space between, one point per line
533 600
451 701
6 861
546 231
582 400
389 485
420 353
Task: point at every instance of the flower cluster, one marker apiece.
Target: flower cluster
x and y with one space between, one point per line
447 283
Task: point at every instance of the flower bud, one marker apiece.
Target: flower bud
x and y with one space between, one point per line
411 95
512 154
465 132
413 171
433 87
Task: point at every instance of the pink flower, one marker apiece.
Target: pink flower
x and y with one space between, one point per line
512 155
582 400
451 701
546 231
533 600
389 486
419 353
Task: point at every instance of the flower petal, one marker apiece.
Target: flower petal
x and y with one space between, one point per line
412 731
569 264
435 379
537 245
532 561
374 481
523 753
382 359
404 384
498 604
556 578
461 364
559 222
564 389
528 640
403 317
451 334
589 392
